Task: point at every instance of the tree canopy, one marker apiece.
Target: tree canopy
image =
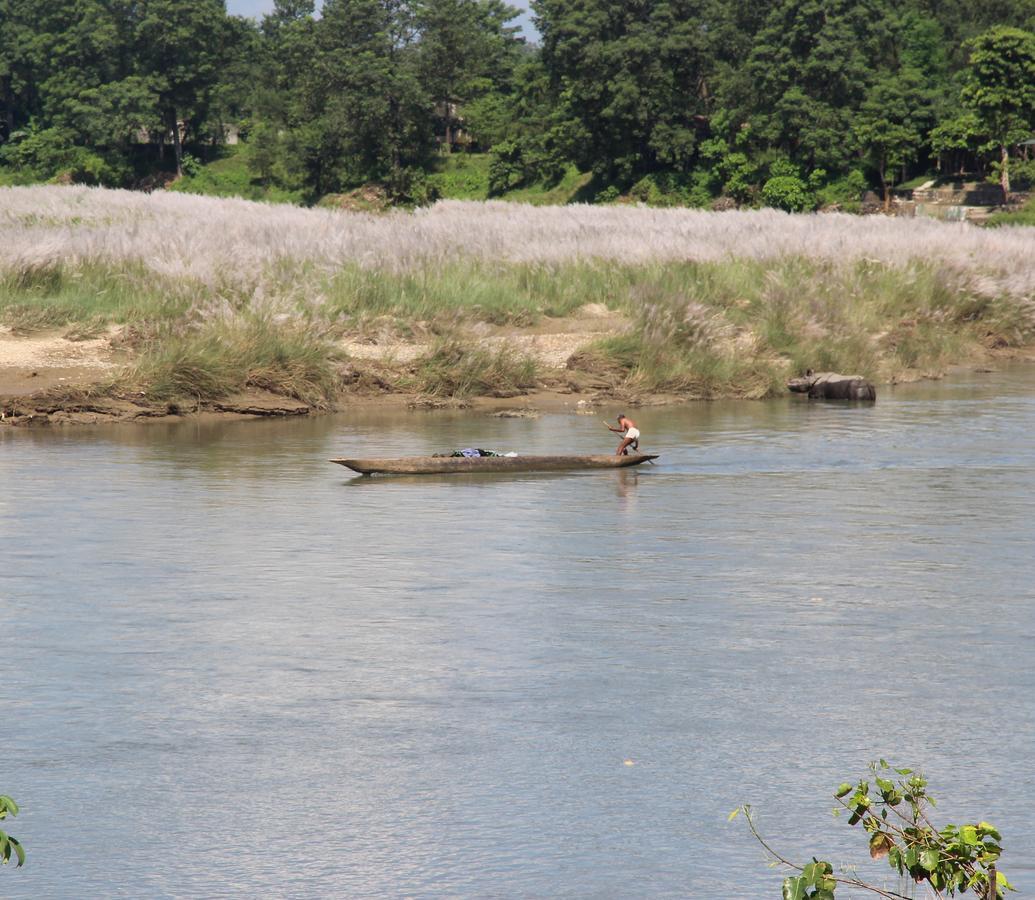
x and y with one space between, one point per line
689 100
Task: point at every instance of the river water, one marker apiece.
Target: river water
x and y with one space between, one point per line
229 669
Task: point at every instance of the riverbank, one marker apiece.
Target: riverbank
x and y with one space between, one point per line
47 380
172 305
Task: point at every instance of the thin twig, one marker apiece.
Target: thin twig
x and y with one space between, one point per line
854 882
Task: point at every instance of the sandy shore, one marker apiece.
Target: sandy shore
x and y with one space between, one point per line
50 379
46 379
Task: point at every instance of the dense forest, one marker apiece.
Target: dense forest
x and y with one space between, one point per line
789 103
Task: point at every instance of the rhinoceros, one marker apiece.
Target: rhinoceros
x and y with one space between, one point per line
831 386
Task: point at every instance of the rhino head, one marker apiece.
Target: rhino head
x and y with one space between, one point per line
803 384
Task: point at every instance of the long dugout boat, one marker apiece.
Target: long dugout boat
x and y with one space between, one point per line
462 465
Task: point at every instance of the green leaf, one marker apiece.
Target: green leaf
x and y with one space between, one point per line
969 836
19 851
989 829
733 814
929 859
794 888
843 788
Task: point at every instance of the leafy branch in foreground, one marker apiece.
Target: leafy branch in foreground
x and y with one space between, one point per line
9 846
952 859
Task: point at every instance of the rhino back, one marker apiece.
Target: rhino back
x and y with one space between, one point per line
832 386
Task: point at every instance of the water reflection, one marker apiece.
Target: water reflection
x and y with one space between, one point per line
311 684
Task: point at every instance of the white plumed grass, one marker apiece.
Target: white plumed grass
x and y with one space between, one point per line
219 241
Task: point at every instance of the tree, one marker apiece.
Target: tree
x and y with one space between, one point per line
887 125
241 69
963 20
178 46
79 102
1000 89
290 44
280 101
809 71
16 65
957 135
467 49
367 116
630 78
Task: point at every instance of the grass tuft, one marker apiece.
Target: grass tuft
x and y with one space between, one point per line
227 357
453 368
699 373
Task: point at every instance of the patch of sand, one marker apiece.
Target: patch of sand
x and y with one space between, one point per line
36 362
551 341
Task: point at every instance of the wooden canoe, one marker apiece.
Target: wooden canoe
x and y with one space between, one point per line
449 465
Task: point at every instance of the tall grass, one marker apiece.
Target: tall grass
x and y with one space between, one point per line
721 303
735 328
638 365
242 243
518 294
221 358
49 293
455 369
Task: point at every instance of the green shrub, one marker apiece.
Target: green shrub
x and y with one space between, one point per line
461 176
700 189
50 153
488 119
781 167
844 192
507 168
190 165
411 187
1022 174
895 814
666 189
787 192
739 177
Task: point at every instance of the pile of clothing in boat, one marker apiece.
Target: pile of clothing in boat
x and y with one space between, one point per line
472 452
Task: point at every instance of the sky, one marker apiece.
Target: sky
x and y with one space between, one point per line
258 7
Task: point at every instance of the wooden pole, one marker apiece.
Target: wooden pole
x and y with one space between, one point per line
993 891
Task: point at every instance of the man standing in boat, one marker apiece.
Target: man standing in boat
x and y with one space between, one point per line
631 435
